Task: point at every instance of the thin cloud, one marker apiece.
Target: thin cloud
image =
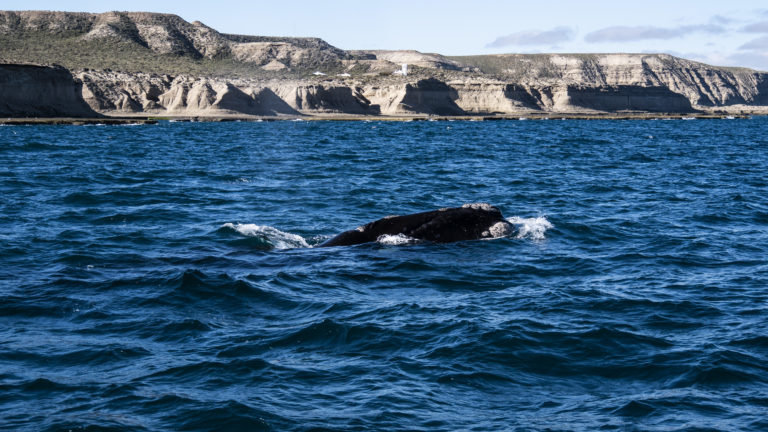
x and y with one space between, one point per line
545 37
752 60
759 44
760 27
720 20
627 34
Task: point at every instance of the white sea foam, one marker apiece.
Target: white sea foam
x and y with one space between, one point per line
530 228
395 240
279 239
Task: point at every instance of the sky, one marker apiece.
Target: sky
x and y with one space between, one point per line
723 33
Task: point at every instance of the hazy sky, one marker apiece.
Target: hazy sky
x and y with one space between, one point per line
731 33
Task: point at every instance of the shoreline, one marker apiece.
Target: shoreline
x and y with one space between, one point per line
18 121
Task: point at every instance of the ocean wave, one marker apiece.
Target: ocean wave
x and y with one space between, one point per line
273 236
531 228
643 308
229 415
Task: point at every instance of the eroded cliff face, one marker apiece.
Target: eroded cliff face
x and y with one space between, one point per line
36 91
115 93
27 90
704 86
126 94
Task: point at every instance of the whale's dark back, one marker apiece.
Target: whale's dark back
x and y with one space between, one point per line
469 222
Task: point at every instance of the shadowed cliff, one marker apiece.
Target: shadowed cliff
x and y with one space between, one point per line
36 91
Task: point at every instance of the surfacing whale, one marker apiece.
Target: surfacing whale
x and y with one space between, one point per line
468 222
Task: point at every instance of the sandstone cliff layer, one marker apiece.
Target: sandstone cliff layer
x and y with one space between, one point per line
703 85
125 94
48 91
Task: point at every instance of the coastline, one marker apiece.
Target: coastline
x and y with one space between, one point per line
27 121
18 121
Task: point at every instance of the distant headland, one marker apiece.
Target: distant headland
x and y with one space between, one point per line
148 65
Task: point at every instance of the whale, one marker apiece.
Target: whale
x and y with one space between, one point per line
468 222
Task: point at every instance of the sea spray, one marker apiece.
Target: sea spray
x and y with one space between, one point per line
530 228
279 239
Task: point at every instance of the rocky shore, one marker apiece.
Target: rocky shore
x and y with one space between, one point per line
173 69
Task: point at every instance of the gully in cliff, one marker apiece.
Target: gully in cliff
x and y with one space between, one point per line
468 222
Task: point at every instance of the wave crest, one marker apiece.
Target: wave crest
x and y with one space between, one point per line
531 228
278 239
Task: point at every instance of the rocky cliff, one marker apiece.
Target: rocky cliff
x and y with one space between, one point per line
156 64
703 85
150 42
36 91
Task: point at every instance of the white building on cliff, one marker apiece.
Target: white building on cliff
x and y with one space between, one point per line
403 71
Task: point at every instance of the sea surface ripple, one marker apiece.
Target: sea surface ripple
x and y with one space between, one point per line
162 277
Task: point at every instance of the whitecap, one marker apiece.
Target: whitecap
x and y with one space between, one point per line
530 228
395 240
278 239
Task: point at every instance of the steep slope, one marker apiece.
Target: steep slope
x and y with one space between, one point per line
627 74
150 42
36 91
126 94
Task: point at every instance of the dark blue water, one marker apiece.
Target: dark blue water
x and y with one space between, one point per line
160 277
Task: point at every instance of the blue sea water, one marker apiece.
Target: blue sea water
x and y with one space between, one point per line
162 277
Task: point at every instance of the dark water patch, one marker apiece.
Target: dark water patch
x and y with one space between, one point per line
685 309
635 409
84 357
196 284
40 387
215 372
640 158
480 380
724 368
220 292
36 307
227 416
163 330
81 198
139 216
361 339
755 342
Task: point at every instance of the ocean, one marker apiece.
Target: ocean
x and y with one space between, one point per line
163 277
